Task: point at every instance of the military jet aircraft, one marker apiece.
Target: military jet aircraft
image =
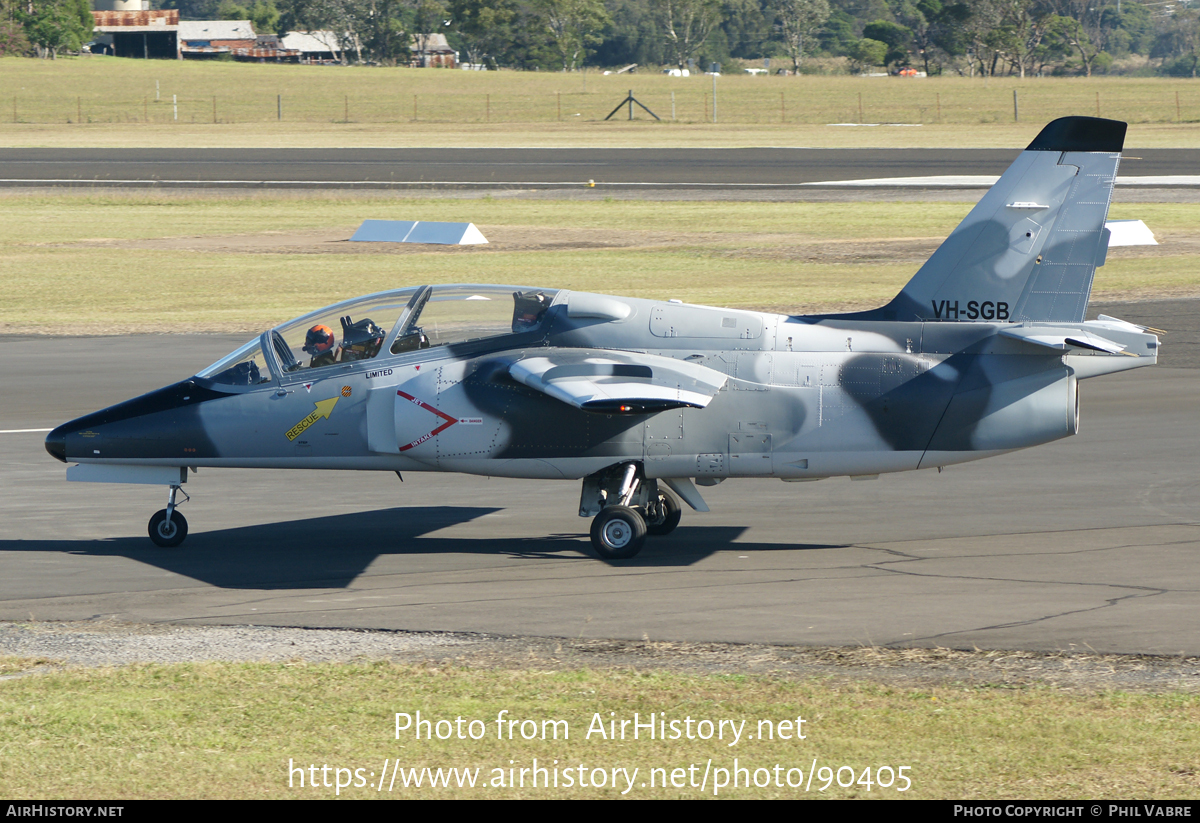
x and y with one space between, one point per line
980 354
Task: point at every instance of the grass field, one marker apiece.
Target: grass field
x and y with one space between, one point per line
103 101
231 730
196 261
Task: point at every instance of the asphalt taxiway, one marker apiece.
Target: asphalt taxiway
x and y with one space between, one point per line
640 169
1085 544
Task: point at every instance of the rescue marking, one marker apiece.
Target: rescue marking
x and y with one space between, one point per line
345 391
324 408
308 386
450 421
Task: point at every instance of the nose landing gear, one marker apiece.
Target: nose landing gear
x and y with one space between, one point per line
167 527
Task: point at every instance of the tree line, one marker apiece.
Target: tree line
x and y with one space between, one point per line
967 37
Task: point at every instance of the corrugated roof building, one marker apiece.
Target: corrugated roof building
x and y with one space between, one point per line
314 45
139 33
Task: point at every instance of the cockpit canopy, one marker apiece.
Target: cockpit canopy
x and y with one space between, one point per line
380 326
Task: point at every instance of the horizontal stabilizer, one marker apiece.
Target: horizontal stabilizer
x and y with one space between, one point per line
618 382
1122 325
1062 340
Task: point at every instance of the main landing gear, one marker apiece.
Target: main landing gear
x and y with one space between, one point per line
168 527
627 507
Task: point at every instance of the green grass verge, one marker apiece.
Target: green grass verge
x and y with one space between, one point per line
73 264
230 730
103 101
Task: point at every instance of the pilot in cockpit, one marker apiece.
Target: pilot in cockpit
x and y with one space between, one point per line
322 345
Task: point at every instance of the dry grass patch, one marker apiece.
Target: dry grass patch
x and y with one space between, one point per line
117 102
119 262
231 730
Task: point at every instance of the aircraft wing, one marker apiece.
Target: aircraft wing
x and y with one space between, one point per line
621 382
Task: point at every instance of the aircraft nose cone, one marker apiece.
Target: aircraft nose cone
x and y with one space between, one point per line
56 444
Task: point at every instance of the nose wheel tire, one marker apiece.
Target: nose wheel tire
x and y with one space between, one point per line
167 535
618 533
666 518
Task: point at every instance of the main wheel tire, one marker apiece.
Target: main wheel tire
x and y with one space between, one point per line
618 533
668 515
167 535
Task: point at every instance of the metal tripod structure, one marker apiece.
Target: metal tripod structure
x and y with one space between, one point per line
630 100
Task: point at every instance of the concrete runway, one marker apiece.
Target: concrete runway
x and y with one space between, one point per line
1085 544
423 167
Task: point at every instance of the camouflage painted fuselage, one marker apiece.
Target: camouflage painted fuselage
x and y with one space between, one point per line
800 398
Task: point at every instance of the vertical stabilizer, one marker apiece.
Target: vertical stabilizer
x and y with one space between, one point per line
1029 248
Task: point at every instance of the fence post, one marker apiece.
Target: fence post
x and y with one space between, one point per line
1016 114
939 107
861 119
782 109
175 106
560 106
279 107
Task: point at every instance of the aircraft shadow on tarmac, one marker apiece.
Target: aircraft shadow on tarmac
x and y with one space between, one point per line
331 552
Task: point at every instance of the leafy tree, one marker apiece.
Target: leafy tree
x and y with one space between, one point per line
685 25
12 29
1085 31
58 25
1023 25
867 53
896 36
937 30
484 28
1129 29
798 20
263 14
747 28
1074 33
573 25
1180 39
383 31
633 37
838 35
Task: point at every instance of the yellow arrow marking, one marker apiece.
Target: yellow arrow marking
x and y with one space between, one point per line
324 408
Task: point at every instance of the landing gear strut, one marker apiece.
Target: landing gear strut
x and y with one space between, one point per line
168 527
627 507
